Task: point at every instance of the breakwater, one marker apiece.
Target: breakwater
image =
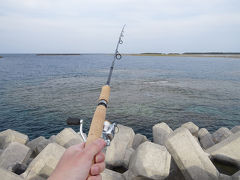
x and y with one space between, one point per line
187 152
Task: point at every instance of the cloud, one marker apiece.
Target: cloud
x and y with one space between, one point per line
93 25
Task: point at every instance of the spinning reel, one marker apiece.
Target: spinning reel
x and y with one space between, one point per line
108 133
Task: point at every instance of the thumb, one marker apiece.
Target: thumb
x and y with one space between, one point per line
94 148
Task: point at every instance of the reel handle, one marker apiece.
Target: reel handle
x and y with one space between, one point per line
98 119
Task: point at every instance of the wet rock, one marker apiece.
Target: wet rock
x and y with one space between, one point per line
221 134
68 137
189 156
227 150
45 162
192 128
108 174
207 141
138 139
202 132
15 153
235 129
9 136
7 175
149 161
160 133
122 140
127 157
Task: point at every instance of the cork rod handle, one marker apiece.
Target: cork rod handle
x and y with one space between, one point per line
98 119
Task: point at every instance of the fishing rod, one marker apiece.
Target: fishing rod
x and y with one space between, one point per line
99 127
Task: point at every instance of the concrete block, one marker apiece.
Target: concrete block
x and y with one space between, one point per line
160 133
149 161
9 136
108 174
122 140
38 144
202 132
38 178
138 139
33 143
53 139
207 141
174 173
221 134
189 156
7 175
68 137
45 162
196 139
15 153
236 176
192 128
224 177
228 150
235 129
127 157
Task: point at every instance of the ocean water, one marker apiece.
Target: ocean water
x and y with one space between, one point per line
38 93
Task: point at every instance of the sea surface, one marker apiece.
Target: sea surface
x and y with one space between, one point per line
38 93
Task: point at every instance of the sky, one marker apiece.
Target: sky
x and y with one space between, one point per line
93 26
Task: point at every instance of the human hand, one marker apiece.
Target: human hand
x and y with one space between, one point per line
77 162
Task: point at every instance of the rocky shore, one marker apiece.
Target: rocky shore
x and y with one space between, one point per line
184 153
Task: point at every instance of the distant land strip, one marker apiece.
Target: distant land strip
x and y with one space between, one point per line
0 56
58 54
194 54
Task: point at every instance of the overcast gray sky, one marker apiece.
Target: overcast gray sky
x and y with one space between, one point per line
93 26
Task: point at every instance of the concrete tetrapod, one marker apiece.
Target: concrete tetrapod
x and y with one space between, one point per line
228 150
149 161
45 162
160 133
189 156
8 136
122 140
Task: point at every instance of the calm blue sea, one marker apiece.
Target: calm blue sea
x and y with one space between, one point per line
38 93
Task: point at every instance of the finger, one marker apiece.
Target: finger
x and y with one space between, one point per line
94 148
98 168
98 177
75 148
100 157
78 146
